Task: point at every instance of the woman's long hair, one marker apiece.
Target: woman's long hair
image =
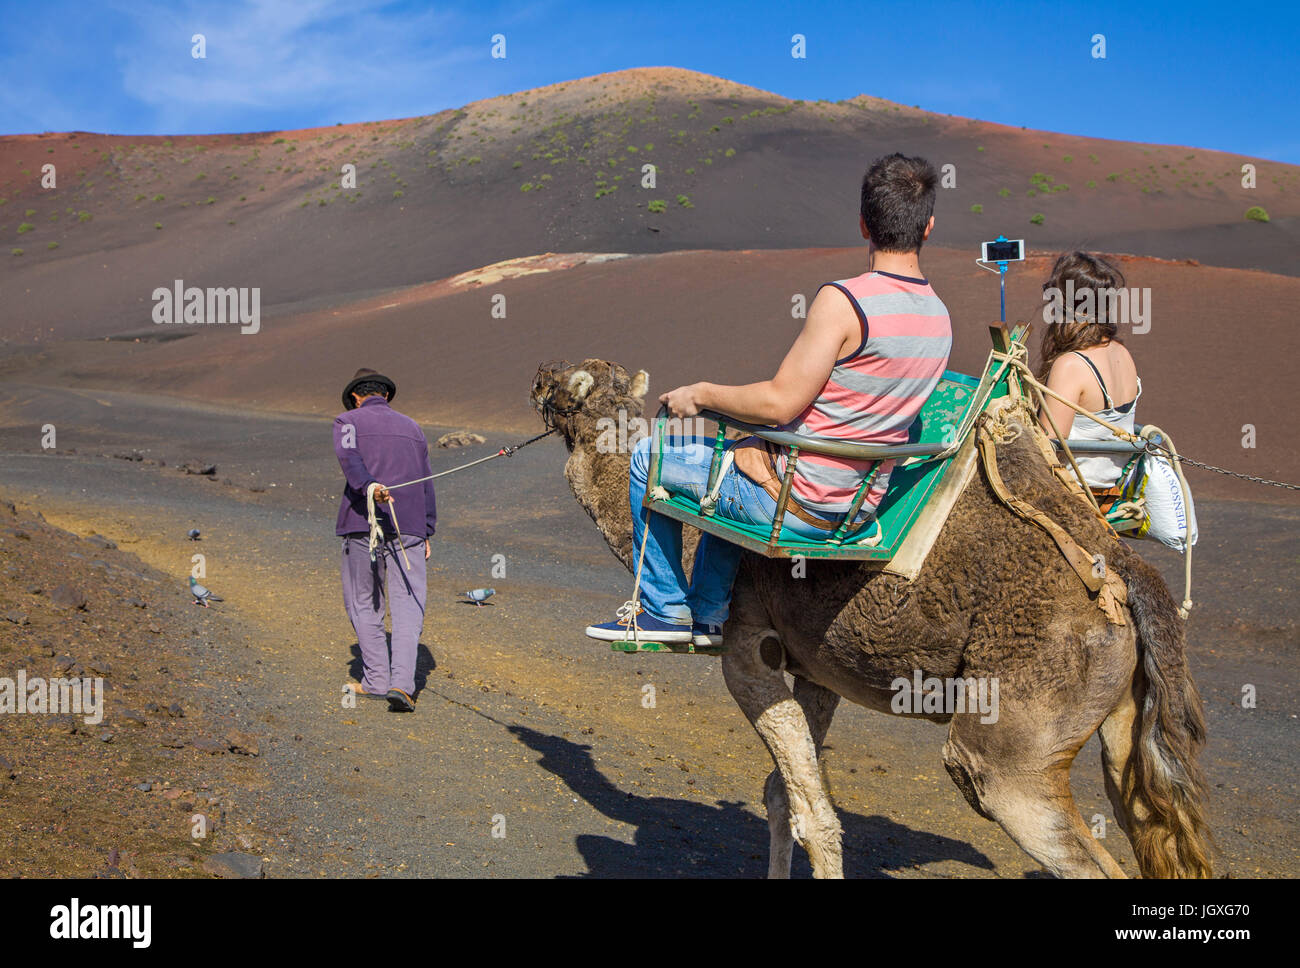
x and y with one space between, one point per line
1088 321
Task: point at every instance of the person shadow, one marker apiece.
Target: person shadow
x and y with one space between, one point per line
676 837
424 663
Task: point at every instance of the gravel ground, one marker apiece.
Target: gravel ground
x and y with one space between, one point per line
532 751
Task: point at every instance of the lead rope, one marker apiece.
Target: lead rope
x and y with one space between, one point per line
376 537
629 610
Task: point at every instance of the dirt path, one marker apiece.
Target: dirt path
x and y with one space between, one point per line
525 725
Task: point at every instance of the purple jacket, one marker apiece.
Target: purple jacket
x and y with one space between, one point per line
376 443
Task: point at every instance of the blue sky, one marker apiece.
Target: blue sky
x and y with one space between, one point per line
1200 74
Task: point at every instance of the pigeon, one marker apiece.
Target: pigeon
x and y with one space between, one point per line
201 595
193 534
480 595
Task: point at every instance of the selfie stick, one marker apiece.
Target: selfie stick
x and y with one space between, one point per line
1002 279
1002 275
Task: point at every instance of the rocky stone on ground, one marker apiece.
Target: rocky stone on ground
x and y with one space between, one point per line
234 865
65 595
461 438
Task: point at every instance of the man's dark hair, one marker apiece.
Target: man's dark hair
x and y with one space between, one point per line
364 390
897 201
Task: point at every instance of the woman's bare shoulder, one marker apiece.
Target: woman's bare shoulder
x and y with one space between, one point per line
1121 354
1065 367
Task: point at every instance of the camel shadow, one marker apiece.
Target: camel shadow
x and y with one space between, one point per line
680 838
424 663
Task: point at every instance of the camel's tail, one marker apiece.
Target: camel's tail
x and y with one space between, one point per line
1174 839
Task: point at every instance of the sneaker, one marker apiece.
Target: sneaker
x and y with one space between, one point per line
649 629
704 634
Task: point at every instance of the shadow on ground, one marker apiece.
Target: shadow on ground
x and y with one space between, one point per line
682 838
424 664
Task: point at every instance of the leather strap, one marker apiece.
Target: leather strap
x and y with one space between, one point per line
771 483
1109 589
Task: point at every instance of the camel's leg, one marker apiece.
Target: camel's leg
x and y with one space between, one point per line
1016 771
753 672
818 704
780 844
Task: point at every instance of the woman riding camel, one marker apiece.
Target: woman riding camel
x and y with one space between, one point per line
1085 361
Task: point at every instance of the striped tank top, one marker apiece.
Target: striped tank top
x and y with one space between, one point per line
874 394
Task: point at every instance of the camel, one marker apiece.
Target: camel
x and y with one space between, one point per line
994 599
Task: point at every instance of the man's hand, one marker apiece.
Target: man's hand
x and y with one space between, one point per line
427 550
684 401
382 496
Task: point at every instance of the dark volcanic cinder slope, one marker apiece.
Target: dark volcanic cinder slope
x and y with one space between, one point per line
687 316
560 169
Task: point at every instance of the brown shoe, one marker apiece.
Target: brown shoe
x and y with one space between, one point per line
362 693
400 702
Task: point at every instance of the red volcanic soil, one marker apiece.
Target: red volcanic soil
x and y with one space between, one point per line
560 168
1212 361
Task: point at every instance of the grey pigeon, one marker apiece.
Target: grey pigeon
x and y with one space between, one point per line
201 595
480 595
193 534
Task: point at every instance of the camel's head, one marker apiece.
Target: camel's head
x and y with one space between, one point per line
572 398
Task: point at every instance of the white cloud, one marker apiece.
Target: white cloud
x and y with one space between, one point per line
326 59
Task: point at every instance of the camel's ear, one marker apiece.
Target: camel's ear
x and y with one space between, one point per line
640 384
580 384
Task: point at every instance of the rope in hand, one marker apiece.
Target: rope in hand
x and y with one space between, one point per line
372 517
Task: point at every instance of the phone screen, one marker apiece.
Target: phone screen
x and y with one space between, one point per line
1003 251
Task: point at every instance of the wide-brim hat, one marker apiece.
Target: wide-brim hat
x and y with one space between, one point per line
365 375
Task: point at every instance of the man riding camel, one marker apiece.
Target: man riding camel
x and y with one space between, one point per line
870 353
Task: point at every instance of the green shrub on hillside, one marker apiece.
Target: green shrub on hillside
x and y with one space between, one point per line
1038 219
1256 214
657 206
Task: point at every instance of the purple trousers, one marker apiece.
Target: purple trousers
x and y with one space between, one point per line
366 586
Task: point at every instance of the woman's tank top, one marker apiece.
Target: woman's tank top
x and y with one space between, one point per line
1102 470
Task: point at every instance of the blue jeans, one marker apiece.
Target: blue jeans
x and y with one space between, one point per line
684 469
